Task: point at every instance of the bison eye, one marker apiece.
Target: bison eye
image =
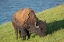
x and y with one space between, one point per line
41 28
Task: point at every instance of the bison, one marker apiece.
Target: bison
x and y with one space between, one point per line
25 23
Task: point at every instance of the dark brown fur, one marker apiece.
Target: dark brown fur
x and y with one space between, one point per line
24 22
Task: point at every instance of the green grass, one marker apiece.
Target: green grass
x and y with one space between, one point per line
55 27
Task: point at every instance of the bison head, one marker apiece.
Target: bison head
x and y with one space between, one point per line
40 28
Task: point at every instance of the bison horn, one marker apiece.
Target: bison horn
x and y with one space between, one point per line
36 26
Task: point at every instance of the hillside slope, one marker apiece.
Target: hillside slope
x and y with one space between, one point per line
55 27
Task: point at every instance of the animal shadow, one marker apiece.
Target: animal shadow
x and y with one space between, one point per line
54 26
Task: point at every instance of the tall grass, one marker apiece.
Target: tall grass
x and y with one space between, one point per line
55 27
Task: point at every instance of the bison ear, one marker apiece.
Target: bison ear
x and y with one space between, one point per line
36 26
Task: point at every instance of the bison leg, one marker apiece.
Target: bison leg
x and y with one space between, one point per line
16 29
19 33
16 32
23 33
28 34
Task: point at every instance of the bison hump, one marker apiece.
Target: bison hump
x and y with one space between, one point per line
25 16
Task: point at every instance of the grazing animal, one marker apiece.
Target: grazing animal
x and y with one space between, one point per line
25 23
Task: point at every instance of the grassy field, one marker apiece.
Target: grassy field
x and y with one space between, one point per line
55 27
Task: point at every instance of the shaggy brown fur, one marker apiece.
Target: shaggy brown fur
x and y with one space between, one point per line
42 26
24 22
